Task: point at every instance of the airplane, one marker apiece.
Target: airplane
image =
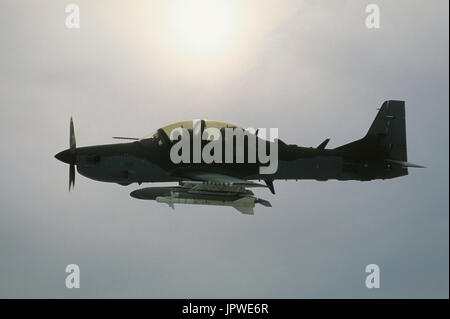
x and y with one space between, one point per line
380 154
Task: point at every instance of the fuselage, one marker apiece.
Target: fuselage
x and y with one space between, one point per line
149 161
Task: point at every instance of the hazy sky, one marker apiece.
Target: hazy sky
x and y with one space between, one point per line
310 68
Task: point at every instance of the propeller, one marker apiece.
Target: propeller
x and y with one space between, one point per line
71 176
73 147
69 156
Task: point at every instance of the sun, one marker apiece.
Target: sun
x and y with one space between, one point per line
203 26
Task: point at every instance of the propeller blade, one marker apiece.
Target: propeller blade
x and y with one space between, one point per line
73 147
71 176
72 142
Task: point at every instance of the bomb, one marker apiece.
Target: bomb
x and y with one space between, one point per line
244 202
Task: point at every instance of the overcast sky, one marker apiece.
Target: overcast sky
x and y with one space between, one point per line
310 68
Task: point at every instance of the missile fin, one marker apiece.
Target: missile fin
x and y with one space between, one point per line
245 210
245 205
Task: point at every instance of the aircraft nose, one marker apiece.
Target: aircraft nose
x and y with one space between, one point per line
66 157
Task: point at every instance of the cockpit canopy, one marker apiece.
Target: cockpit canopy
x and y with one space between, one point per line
188 125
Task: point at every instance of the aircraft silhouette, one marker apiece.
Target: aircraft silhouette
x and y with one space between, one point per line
380 154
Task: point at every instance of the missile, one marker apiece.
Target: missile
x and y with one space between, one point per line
243 202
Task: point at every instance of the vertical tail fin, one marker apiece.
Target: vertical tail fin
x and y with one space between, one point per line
389 129
384 146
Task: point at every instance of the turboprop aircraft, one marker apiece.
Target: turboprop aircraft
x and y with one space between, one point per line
380 154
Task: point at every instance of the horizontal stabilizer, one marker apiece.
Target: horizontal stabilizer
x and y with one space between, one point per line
405 164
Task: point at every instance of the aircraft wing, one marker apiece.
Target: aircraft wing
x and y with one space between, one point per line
215 178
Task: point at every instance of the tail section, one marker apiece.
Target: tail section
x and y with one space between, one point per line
389 130
382 152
